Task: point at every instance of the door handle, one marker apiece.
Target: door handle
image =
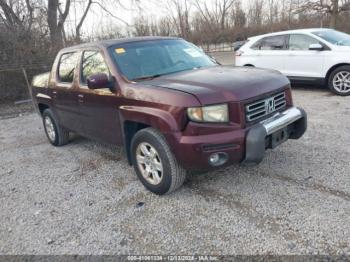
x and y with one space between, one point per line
81 98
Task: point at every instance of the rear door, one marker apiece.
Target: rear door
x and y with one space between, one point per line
64 92
270 52
302 62
99 108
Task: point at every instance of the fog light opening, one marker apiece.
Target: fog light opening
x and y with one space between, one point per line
218 159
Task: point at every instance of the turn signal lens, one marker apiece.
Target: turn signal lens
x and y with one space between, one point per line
195 114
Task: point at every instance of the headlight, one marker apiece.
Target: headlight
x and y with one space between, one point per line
214 114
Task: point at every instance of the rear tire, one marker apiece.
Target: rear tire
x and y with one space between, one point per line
57 135
154 163
339 81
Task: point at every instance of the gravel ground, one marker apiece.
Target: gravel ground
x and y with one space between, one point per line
84 198
10 110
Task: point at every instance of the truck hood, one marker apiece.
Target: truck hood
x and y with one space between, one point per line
221 84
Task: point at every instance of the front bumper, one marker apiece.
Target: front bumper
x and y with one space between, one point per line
289 124
239 145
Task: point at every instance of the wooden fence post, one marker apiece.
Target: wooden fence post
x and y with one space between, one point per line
27 81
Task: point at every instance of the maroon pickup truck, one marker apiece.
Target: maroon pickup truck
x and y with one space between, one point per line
168 104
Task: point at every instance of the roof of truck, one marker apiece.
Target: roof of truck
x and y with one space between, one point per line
111 42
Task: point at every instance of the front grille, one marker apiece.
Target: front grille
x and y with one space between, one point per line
264 107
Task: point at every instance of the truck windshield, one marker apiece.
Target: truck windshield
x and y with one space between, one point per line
144 60
334 37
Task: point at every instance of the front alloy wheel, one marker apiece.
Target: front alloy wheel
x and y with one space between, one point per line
341 81
154 163
149 163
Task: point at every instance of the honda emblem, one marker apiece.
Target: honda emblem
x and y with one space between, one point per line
270 105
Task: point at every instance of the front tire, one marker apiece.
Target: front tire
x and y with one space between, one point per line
339 81
57 135
154 163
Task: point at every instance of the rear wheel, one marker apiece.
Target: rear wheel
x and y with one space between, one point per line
154 163
339 81
57 135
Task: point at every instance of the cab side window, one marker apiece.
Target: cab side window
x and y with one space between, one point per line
67 66
301 42
271 43
92 63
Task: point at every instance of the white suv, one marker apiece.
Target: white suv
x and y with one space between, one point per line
302 55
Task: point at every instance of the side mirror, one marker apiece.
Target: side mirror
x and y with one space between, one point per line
98 81
316 47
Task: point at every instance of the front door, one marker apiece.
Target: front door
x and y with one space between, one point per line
302 62
99 108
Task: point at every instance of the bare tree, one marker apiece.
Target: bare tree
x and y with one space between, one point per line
204 14
114 5
165 27
239 16
255 13
180 13
82 19
17 14
223 7
272 11
330 7
55 20
142 27
216 12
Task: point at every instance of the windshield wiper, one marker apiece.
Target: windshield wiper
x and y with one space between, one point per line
146 77
169 73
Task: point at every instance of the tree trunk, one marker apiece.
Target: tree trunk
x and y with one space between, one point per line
334 13
11 18
55 23
55 32
78 28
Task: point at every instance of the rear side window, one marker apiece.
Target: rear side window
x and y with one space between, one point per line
301 42
66 67
271 43
93 63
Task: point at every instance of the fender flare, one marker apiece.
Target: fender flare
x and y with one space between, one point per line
150 117
154 117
